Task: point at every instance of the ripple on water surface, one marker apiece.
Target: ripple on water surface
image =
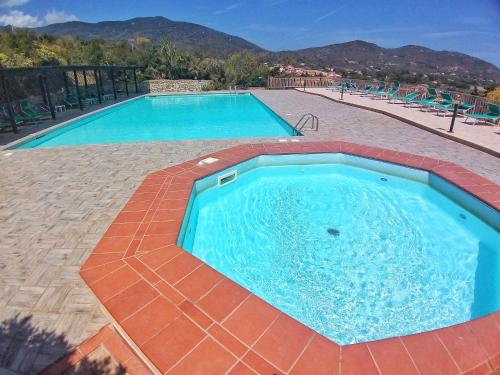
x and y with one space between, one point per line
354 254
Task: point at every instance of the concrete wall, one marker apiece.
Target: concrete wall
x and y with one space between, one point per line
167 85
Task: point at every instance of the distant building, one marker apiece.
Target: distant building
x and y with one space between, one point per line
299 72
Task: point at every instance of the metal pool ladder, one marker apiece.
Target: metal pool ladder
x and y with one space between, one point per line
308 118
233 89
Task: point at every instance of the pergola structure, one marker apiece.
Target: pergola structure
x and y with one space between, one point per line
6 75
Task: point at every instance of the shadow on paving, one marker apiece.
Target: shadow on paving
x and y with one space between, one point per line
21 341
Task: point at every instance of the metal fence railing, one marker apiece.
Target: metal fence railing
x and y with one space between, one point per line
480 103
30 94
296 82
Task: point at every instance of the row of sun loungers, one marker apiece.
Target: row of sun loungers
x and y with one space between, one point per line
431 101
71 100
24 114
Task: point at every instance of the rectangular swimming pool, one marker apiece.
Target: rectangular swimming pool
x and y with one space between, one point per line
170 117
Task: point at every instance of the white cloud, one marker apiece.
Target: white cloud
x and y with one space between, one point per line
448 34
12 3
273 3
55 16
228 8
457 33
19 19
331 13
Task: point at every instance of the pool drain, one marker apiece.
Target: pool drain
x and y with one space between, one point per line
462 216
383 179
333 232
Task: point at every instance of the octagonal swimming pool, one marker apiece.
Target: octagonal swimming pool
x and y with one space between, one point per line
356 249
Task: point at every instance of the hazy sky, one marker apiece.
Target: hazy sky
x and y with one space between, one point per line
469 26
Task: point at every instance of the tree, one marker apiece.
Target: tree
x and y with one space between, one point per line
24 48
212 69
494 94
168 57
244 69
46 55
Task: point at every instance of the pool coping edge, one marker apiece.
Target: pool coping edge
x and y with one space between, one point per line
141 239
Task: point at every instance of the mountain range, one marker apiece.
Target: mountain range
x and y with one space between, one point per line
355 55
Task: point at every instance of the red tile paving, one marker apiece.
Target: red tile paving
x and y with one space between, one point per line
173 342
257 315
150 320
223 299
429 354
241 369
357 360
80 358
391 357
207 358
228 340
321 356
199 282
131 300
187 318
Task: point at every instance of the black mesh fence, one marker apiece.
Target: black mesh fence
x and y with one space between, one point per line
25 92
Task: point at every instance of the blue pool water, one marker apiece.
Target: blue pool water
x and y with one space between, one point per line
356 255
173 117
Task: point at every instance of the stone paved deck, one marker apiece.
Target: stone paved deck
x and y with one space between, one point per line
481 134
342 122
55 204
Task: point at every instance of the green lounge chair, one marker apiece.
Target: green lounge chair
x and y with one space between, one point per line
345 85
424 102
394 90
351 86
462 108
432 91
86 101
5 124
404 99
387 94
446 100
380 88
367 89
390 92
5 121
493 115
331 87
108 96
89 101
26 119
71 102
30 113
88 98
19 118
430 98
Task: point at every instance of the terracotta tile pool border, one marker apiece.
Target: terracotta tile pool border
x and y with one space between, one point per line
185 317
